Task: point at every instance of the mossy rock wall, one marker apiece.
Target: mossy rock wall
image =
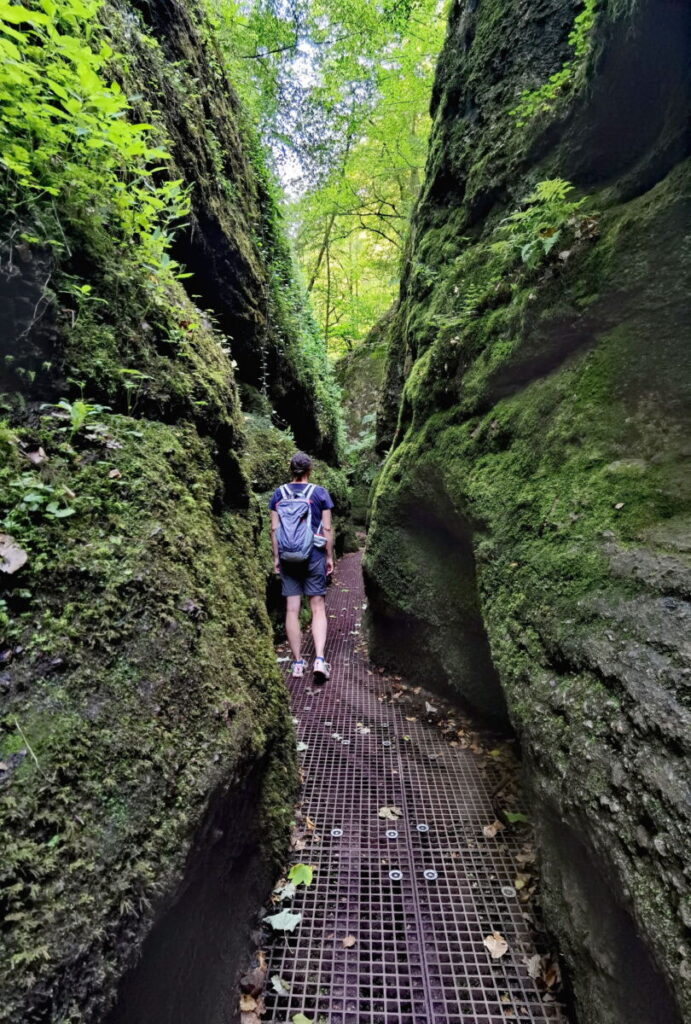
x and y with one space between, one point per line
361 375
146 749
537 424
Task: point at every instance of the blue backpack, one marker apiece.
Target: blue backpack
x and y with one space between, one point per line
295 535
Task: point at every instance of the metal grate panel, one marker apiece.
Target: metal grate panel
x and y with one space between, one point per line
418 956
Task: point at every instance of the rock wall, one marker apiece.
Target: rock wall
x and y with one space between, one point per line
531 524
361 376
146 765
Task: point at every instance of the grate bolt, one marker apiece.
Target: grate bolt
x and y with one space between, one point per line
431 875
422 827
337 833
391 833
395 876
386 743
508 891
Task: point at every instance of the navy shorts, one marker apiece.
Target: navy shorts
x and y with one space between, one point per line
309 578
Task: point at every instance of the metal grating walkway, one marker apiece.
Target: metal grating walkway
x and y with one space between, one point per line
418 955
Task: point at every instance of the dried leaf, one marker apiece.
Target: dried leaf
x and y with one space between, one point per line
115 474
285 892
430 708
490 831
390 813
533 965
248 1003
496 944
37 457
279 985
12 557
349 941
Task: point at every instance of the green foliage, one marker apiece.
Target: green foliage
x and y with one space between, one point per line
348 130
533 231
67 142
542 100
78 412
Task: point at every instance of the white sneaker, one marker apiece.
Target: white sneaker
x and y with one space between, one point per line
298 668
322 670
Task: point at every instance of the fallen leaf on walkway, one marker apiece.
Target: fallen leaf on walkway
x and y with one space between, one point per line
285 921
521 879
490 831
364 730
496 944
349 941
247 1003
279 985
301 874
300 1018
430 708
285 892
250 1018
336 736
410 718
301 747
534 965
390 813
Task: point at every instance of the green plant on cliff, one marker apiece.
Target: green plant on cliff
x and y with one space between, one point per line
68 146
533 231
542 100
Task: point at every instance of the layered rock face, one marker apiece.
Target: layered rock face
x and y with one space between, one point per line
146 769
531 522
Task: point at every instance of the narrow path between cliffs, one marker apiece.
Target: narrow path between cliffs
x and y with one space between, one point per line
411 907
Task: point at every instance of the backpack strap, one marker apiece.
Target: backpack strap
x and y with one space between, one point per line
286 494
309 492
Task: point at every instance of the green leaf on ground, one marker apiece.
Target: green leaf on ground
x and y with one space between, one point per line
280 986
515 816
300 1018
301 874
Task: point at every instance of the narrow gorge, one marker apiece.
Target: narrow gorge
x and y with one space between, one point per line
511 436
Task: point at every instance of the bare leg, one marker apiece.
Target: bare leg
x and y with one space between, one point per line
293 625
318 625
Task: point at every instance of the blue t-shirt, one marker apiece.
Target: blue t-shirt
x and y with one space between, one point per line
321 500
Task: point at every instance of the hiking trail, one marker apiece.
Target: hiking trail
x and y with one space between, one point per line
393 925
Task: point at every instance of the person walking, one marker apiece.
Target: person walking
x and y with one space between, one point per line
302 544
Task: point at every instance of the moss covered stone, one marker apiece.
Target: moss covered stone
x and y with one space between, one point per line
545 405
144 730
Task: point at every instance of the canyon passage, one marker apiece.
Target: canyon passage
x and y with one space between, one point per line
444 249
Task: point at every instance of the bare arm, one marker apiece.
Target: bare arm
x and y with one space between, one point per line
274 541
327 527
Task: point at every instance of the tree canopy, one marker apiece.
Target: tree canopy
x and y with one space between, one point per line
340 92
